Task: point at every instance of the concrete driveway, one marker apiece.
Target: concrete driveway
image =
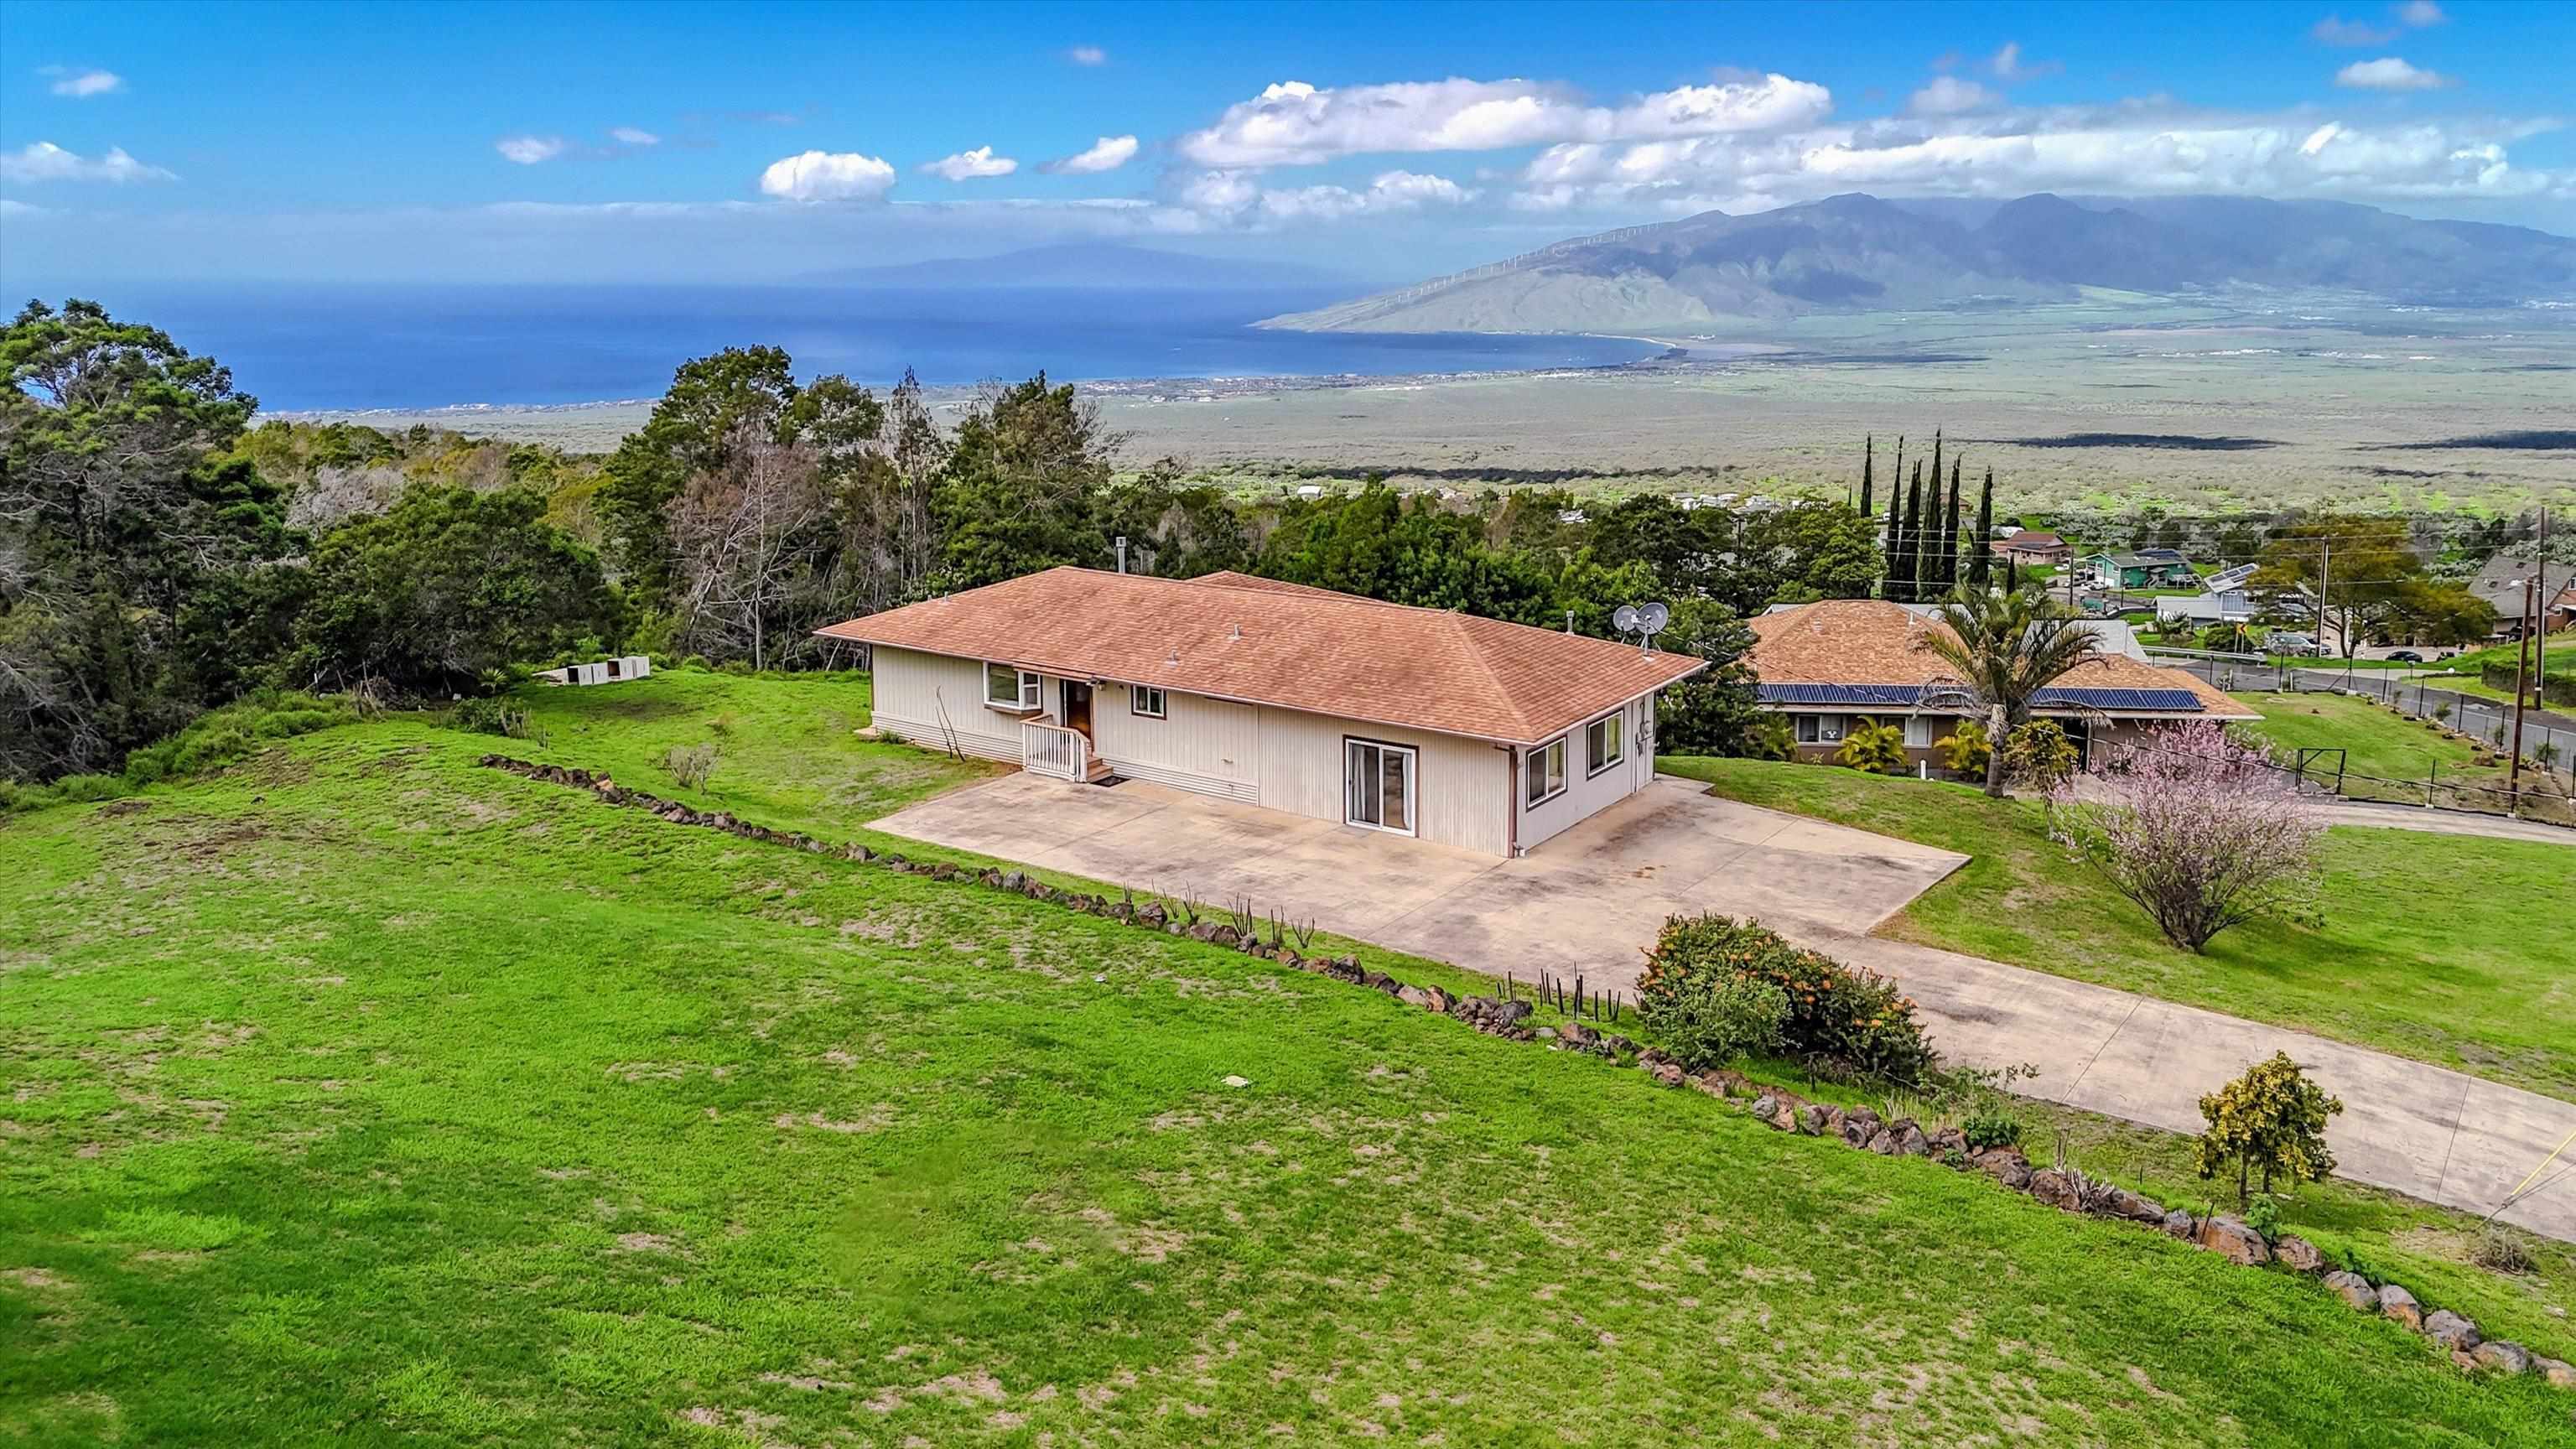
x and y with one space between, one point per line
1585 902
1588 900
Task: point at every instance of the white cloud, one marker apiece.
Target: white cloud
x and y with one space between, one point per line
2335 30
1106 154
2387 74
827 176
21 208
2136 148
45 161
1948 95
633 136
529 150
80 85
1293 123
968 165
1087 55
2418 14
1238 198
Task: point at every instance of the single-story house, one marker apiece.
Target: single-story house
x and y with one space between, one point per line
2150 568
1830 664
2231 606
2033 546
1422 722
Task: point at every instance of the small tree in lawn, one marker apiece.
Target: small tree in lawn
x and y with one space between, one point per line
2270 1121
2203 831
2040 758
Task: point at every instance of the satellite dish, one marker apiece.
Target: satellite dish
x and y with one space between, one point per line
1625 619
1652 618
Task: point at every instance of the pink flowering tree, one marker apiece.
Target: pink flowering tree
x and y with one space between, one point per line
2203 830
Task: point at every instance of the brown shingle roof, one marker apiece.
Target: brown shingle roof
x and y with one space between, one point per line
1265 642
1871 641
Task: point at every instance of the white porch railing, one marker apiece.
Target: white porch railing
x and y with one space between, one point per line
1053 750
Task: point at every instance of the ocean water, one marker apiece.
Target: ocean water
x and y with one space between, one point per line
343 349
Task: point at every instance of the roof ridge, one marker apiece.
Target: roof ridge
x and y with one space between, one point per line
1493 678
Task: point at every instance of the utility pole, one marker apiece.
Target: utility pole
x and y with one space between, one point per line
2540 655
2522 651
2325 578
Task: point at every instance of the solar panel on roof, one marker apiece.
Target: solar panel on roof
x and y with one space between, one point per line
2155 699
1865 694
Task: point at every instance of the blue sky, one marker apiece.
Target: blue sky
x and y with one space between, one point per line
758 142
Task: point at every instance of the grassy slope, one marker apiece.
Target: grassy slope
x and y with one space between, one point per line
2450 949
364 1094
2388 747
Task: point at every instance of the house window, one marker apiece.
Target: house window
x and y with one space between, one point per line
1008 688
1146 700
1819 729
1918 731
1545 772
1378 785
1605 742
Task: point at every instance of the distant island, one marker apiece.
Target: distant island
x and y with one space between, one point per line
1858 253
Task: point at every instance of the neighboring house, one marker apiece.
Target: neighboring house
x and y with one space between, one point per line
2153 568
2229 606
1426 722
2031 546
2229 579
2500 583
1828 665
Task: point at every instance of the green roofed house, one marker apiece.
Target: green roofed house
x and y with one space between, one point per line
2148 568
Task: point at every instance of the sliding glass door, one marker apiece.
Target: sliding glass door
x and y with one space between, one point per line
1378 785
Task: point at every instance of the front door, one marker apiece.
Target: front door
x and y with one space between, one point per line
1077 707
1378 785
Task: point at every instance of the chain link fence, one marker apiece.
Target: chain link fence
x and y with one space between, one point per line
2546 736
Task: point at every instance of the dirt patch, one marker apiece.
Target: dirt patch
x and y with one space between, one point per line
876 1119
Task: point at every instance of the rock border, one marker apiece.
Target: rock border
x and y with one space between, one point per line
2065 1188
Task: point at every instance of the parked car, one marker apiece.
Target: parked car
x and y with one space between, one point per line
2282 641
2404 656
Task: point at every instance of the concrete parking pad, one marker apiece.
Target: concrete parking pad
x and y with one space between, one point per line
1588 901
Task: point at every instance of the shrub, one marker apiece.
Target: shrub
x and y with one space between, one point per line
2270 1121
2500 1249
2263 1215
1964 750
1992 1129
17 798
1711 1018
691 766
1839 1017
1873 747
219 737
489 717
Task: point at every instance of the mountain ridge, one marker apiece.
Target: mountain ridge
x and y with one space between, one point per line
1857 252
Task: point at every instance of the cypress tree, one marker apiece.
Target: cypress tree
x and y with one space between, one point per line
1895 529
1909 551
1866 444
1950 533
2012 574
1981 562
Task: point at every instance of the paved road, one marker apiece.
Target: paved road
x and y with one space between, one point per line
1585 902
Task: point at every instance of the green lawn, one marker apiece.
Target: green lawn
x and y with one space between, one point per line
365 1096
2450 949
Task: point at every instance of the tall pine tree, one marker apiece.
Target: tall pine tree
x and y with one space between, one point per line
1895 527
1909 551
1866 445
1950 533
1981 558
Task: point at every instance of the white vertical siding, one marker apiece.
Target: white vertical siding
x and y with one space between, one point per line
1462 790
1209 745
938 700
1586 793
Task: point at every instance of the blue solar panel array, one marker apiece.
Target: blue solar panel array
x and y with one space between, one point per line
1906 696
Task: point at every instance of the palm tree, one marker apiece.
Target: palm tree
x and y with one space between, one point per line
2006 648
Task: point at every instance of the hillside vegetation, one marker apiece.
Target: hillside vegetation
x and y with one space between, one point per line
362 1094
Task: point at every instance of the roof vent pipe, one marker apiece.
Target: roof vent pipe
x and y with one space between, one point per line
1122 553
1234 631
